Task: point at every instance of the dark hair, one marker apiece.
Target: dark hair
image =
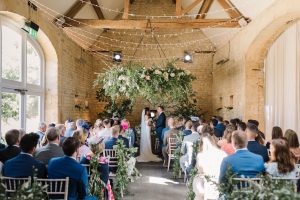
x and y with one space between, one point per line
161 107
51 125
219 118
235 121
52 134
195 125
252 128
242 126
207 129
292 138
70 145
277 132
226 122
282 156
189 124
106 121
252 121
214 122
28 142
12 137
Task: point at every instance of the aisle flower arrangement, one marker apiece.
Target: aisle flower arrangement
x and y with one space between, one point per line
167 85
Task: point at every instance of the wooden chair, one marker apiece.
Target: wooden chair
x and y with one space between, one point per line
12 184
244 182
111 155
56 187
172 146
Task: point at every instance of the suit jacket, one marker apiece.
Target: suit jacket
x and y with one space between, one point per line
68 167
22 166
44 154
218 132
259 149
242 162
186 133
160 123
187 143
9 152
110 143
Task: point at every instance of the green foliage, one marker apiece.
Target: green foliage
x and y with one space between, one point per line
9 107
177 154
96 185
190 193
122 180
166 85
35 191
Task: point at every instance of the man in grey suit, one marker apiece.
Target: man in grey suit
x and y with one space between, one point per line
52 149
187 147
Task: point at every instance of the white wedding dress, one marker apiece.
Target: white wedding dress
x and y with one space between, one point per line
146 154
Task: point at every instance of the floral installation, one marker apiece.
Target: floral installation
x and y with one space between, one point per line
166 85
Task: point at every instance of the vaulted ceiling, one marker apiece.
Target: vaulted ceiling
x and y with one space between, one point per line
113 10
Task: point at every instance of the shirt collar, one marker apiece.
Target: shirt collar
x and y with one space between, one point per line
27 154
243 149
72 157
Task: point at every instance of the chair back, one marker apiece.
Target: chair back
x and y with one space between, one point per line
88 169
172 145
111 155
12 184
56 187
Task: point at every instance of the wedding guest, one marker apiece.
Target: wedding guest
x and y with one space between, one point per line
122 136
71 127
207 129
225 143
242 126
98 126
52 149
242 162
220 126
276 134
62 130
186 160
187 131
207 150
106 132
12 138
180 123
67 166
281 164
253 146
129 132
51 125
226 122
79 123
81 136
235 122
113 139
261 134
41 131
293 142
22 165
217 132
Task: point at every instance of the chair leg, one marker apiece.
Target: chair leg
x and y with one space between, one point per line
169 162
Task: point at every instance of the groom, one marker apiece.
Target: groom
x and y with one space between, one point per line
160 123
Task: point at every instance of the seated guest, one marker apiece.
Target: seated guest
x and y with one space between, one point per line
71 127
171 133
220 126
122 136
181 123
242 162
112 141
62 130
187 130
261 134
253 146
241 126
12 149
281 164
67 166
129 132
276 134
226 122
52 149
225 143
217 132
186 161
235 122
293 142
106 132
41 131
81 135
79 123
22 165
207 150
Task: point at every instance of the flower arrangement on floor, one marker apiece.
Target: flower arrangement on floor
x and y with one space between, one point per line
121 85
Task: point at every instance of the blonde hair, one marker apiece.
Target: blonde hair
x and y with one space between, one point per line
80 135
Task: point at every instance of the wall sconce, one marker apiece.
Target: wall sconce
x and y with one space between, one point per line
77 102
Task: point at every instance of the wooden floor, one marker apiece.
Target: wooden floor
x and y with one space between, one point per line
156 184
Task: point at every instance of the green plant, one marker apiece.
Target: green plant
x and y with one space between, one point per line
190 193
177 154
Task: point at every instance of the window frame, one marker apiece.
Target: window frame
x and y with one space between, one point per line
10 86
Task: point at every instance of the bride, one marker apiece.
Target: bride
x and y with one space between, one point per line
146 154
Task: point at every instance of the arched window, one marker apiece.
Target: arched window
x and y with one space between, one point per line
21 79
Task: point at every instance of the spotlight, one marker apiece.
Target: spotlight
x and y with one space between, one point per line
117 56
187 58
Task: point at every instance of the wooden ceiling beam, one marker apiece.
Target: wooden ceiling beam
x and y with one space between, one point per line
230 8
178 7
76 7
126 9
97 9
204 9
156 24
191 6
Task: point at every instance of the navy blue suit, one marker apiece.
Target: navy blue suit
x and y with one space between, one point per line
259 149
125 141
186 133
243 162
68 167
22 166
9 152
110 143
160 125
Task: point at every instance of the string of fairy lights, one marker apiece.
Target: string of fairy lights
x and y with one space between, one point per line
52 14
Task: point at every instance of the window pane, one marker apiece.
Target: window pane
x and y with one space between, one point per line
10 110
11 54
33 65
32 113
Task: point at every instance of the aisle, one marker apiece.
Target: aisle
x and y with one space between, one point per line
156 184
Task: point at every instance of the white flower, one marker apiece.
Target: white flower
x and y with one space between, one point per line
122 89
172 75
157 72
166 75
148 78
143 76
